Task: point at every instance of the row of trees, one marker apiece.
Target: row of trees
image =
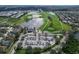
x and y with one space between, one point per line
72 46
28 50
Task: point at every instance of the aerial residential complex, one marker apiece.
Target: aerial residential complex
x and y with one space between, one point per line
39 30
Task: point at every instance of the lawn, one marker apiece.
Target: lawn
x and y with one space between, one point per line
57 24
14 21
46 21
52 23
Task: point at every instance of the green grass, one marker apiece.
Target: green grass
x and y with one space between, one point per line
14 21
58 25
45 25
20 20
53 24
46 21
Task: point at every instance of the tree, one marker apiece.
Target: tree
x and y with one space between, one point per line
29 50
72 46
36 50
52 52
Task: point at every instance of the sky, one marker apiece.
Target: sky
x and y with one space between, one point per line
39 2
